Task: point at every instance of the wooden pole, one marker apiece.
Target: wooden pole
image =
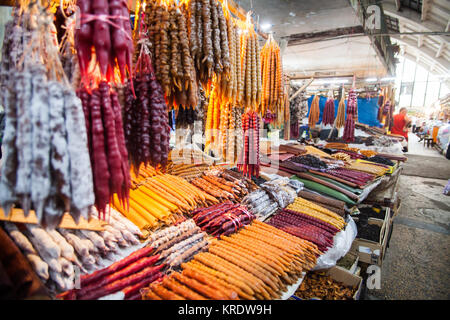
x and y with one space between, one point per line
301 89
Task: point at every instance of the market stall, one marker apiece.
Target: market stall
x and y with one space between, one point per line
95 192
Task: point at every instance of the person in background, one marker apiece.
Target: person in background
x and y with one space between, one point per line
413 122
421 131
401 123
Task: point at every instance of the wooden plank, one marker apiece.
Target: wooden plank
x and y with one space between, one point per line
17 215
301 89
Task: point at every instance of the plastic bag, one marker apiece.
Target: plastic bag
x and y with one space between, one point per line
342 244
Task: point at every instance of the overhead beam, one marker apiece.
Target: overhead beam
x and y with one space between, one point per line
419 41
300 38
439 51
427 52
425 8
301 89
299 76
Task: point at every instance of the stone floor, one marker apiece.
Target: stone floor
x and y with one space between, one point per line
416 264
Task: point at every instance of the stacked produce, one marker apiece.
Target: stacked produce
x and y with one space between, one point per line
144 172
382 160
222 219
306 227
359 178
336 145
174 65
341 156
317 285
53 254
249 159
178 244
127 276
352 110
221 185
331 204
309 162
238 177
368 153
260 204
104 25
188 156
272 82
314 112
316 152
146 124
45 165
313 210
274 194
353 155
258 262
367 168
328 112
161 199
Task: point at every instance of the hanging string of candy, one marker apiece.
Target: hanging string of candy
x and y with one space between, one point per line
45 166
328 112
314 112
104 45
272 82
167 23
380 104
249 161
250 94
340 117
349 129
146 120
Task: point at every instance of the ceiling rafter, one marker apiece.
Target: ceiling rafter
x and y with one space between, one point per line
426 4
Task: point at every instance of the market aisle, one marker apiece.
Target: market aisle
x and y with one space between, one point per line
417 260
417 148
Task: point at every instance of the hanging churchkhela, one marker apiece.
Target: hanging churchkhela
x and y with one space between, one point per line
167 24
46 164
349 129
340 118
272 84
105 27
249 162
314 112
146 120
328 112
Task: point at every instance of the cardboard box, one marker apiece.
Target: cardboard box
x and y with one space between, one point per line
347 278
354 266
344 276
372 252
